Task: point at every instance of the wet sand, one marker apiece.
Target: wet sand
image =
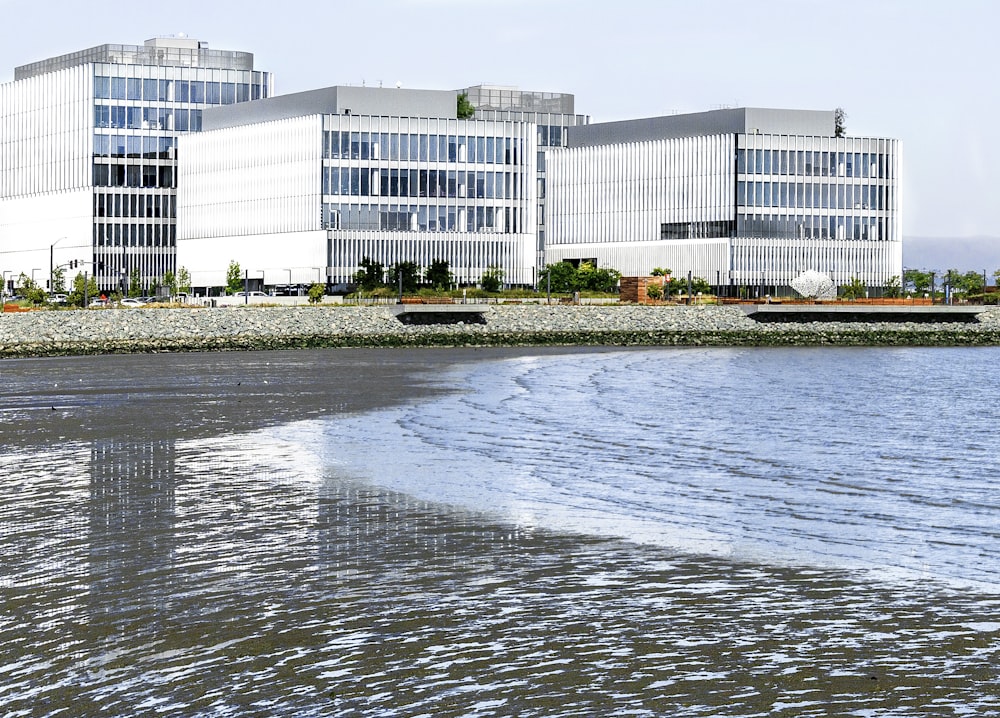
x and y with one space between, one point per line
45 401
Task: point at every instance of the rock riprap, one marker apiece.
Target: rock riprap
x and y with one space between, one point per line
53 333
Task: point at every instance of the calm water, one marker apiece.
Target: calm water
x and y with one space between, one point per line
653 532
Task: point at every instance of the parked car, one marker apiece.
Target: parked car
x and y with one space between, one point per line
132 302
57 299
250 294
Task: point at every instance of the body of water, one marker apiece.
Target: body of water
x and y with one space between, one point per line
696 532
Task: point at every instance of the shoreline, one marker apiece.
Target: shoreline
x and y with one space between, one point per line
144 331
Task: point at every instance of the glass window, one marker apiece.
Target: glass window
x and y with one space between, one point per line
134 118
555 136
784 162
228 93
102 145
242 92
758 162
767 162
134 88
491 150
196 120
213 94
181 121
741 162
164 87
182 92
118 117
102 88
197 91
102 116
150 91
543 135
414 148
741 192
423 148
117 88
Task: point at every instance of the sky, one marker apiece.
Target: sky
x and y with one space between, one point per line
920 71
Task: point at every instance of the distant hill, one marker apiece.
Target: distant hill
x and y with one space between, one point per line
962 253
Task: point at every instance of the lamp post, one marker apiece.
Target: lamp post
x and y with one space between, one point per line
3 289
52 249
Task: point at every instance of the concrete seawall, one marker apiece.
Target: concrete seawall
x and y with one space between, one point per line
60 333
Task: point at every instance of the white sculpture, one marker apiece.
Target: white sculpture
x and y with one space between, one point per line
815 285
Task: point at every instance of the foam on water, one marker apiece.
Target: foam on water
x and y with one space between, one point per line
861 459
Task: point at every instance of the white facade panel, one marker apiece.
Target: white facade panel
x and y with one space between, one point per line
623 193
252 180
45 123
301 259
747 210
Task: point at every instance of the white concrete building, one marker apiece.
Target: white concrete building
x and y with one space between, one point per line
744 198
302 188
88 162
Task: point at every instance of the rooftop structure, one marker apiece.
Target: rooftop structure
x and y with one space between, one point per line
161 52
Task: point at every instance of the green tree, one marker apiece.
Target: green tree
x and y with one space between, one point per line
370 275
968 284
661 272
654 291
920 280
234 278
170 283
438 274
892 288
27 288
679 285
316 292
58 280
492 279
134 283
183 280
559 277
83 290
854 289
410 273
465 110
839 122
596 279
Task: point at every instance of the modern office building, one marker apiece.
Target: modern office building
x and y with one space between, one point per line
302 188
88 160
553 114
744 198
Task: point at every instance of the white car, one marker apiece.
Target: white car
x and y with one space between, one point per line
132 302
250 294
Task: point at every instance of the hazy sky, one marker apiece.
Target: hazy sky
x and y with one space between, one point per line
920 71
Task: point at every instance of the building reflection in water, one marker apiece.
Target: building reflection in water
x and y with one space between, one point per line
368 531
132 539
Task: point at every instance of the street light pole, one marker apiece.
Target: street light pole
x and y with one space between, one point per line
52 249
